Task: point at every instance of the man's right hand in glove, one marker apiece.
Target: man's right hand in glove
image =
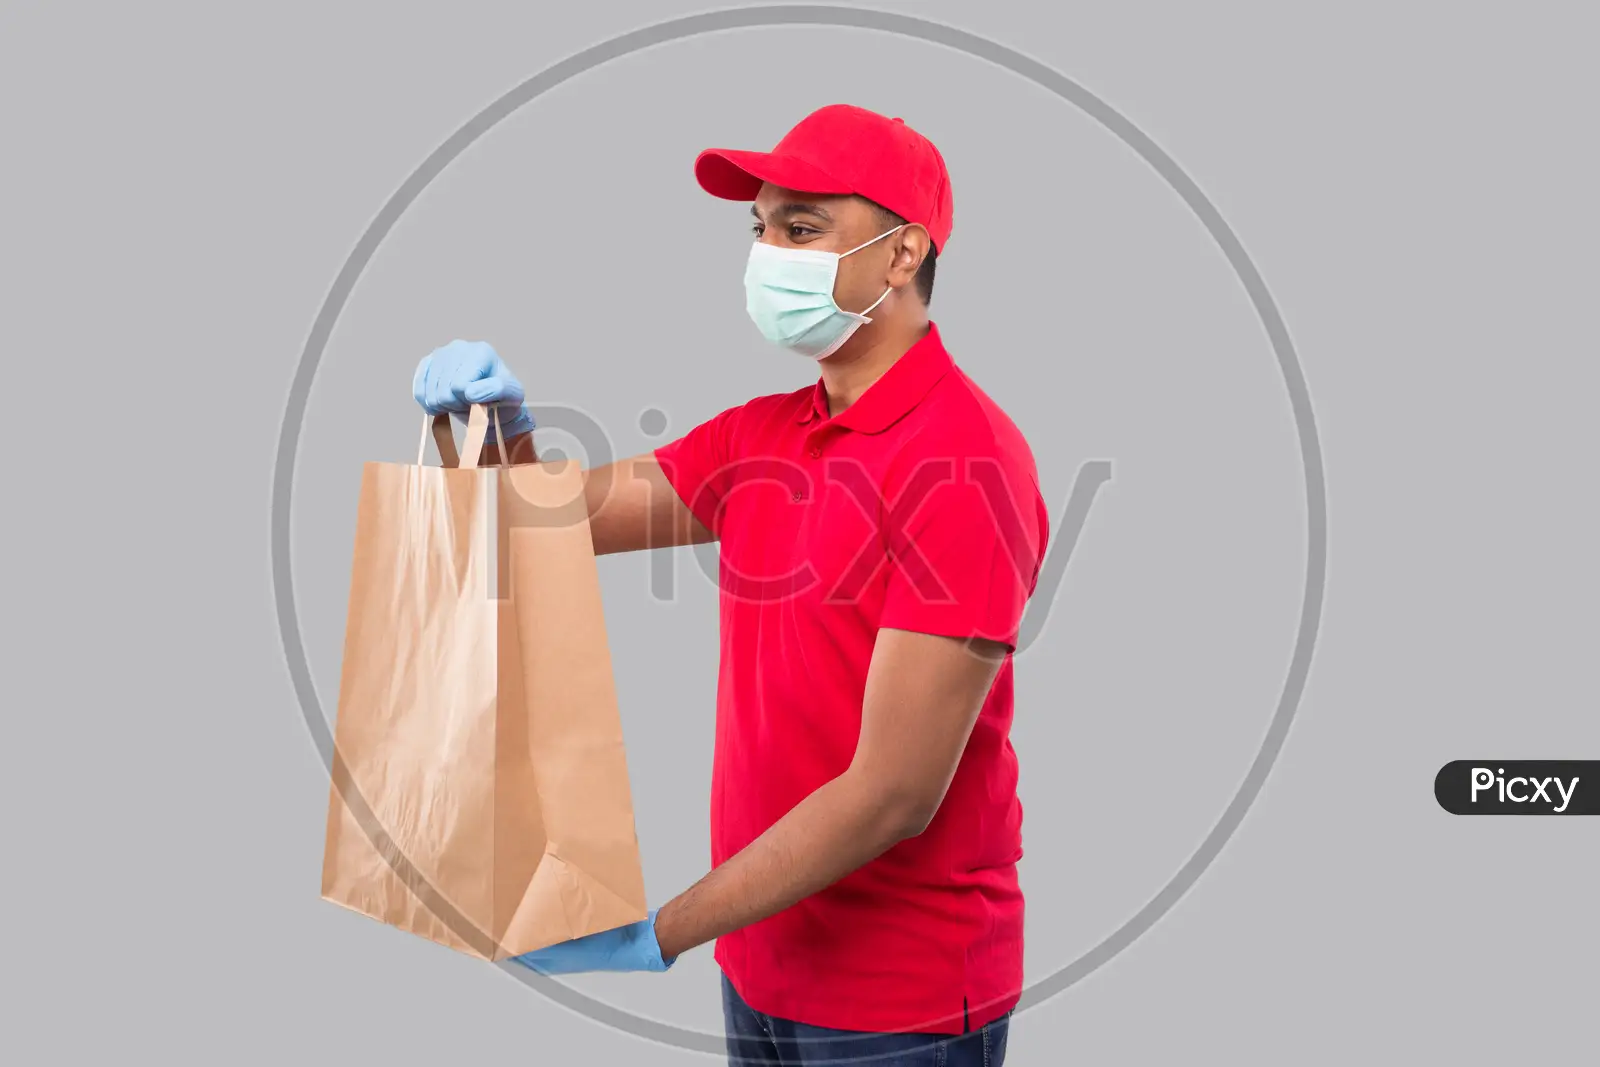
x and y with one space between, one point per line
631 503
463 373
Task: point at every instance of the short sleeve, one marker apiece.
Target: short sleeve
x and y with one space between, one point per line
699 466
964 537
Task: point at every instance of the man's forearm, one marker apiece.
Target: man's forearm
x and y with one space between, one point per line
832 832
631 504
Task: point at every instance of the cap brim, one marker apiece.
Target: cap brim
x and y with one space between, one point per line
735 175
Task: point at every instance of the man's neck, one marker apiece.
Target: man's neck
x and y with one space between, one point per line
851 371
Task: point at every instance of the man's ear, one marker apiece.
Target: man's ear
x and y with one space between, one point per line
912 245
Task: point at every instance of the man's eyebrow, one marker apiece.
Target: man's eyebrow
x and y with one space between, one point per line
796 208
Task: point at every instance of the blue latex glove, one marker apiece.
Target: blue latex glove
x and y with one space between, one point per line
462 373
627 948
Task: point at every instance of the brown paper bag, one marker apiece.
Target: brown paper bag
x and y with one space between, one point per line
480 791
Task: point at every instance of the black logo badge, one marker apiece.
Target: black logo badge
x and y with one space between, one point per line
1519 787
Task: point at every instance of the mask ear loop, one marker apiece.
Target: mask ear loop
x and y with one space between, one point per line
875 303
875 240
887 291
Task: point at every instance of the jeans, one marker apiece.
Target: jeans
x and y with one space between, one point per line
754 1038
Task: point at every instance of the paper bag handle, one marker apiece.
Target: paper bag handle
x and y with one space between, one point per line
444 438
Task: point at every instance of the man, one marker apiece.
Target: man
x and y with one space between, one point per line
880 533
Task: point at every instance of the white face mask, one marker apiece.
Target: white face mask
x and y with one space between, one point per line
789 295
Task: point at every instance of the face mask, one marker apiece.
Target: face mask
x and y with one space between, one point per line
789 294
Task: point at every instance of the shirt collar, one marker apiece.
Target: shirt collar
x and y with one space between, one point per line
892 396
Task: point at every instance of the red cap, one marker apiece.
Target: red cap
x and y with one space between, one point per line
838 150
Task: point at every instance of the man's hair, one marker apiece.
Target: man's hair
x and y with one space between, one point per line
925 272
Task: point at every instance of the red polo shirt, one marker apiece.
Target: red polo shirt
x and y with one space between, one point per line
917 508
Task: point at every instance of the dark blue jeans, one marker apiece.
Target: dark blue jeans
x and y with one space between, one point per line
754 1038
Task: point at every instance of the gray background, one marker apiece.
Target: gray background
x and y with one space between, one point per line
181 184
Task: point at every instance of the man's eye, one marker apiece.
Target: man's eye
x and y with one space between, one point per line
800 231
755 228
